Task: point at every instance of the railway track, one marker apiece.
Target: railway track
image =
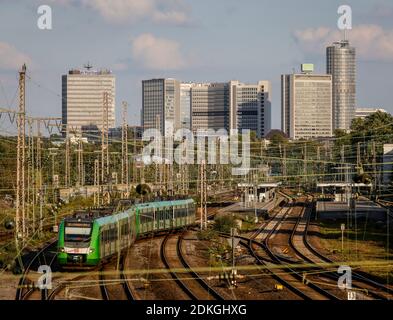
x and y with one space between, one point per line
189 281
115 288
280 268
258 251
286 275
256 244
109 289
317 271
360 280
26 287
58 289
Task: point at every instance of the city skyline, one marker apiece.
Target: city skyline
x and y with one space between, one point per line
187 38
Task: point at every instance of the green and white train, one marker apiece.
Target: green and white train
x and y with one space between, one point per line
86 241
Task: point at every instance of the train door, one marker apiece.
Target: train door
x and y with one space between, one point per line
174 223
162 218
130 233
154 221
106 241
157 219
144 221
183 211
113 237
168 218
102 243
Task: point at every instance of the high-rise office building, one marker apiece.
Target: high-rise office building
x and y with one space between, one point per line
306 105
201 106
185 105
250 107
161 105
210 106
341 64
83 99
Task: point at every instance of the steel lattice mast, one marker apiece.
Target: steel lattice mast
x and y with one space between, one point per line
124 147
20 158
105 148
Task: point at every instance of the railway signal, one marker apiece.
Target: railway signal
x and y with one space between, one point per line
233 242
229 278
342 237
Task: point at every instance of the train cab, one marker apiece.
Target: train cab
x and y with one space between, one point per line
75 234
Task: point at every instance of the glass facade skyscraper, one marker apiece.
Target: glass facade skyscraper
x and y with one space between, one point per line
341 64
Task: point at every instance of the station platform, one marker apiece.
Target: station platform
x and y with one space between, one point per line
340 210
261 207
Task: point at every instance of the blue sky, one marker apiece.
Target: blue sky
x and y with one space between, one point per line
204 40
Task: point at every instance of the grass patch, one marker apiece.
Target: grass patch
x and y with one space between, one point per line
369 242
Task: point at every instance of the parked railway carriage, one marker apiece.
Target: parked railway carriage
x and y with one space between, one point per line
88 241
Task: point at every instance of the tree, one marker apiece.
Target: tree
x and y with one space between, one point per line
224 224
142 189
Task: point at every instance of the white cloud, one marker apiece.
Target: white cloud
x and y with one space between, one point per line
372 42
11 58
174 12
157 53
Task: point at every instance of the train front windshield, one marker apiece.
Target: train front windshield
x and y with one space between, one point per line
78 232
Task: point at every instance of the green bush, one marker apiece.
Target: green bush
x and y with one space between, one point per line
206 234
224 224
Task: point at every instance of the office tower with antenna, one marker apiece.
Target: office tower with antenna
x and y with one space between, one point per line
82 91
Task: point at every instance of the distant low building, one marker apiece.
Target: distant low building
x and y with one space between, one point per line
362 113
387 163
91 132
136 131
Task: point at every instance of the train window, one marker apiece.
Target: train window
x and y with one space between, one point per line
112 234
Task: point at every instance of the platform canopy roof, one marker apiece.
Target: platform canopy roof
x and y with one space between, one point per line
343 185
260 185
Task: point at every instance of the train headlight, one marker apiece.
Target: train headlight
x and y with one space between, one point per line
62 250
91 250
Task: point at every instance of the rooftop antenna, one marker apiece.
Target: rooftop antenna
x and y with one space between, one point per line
88 66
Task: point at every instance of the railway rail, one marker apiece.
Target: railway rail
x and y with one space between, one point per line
192 284
257 250
290 277
317 271
110 287
26 287
361 280
305 289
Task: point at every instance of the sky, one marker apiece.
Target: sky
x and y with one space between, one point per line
190 40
